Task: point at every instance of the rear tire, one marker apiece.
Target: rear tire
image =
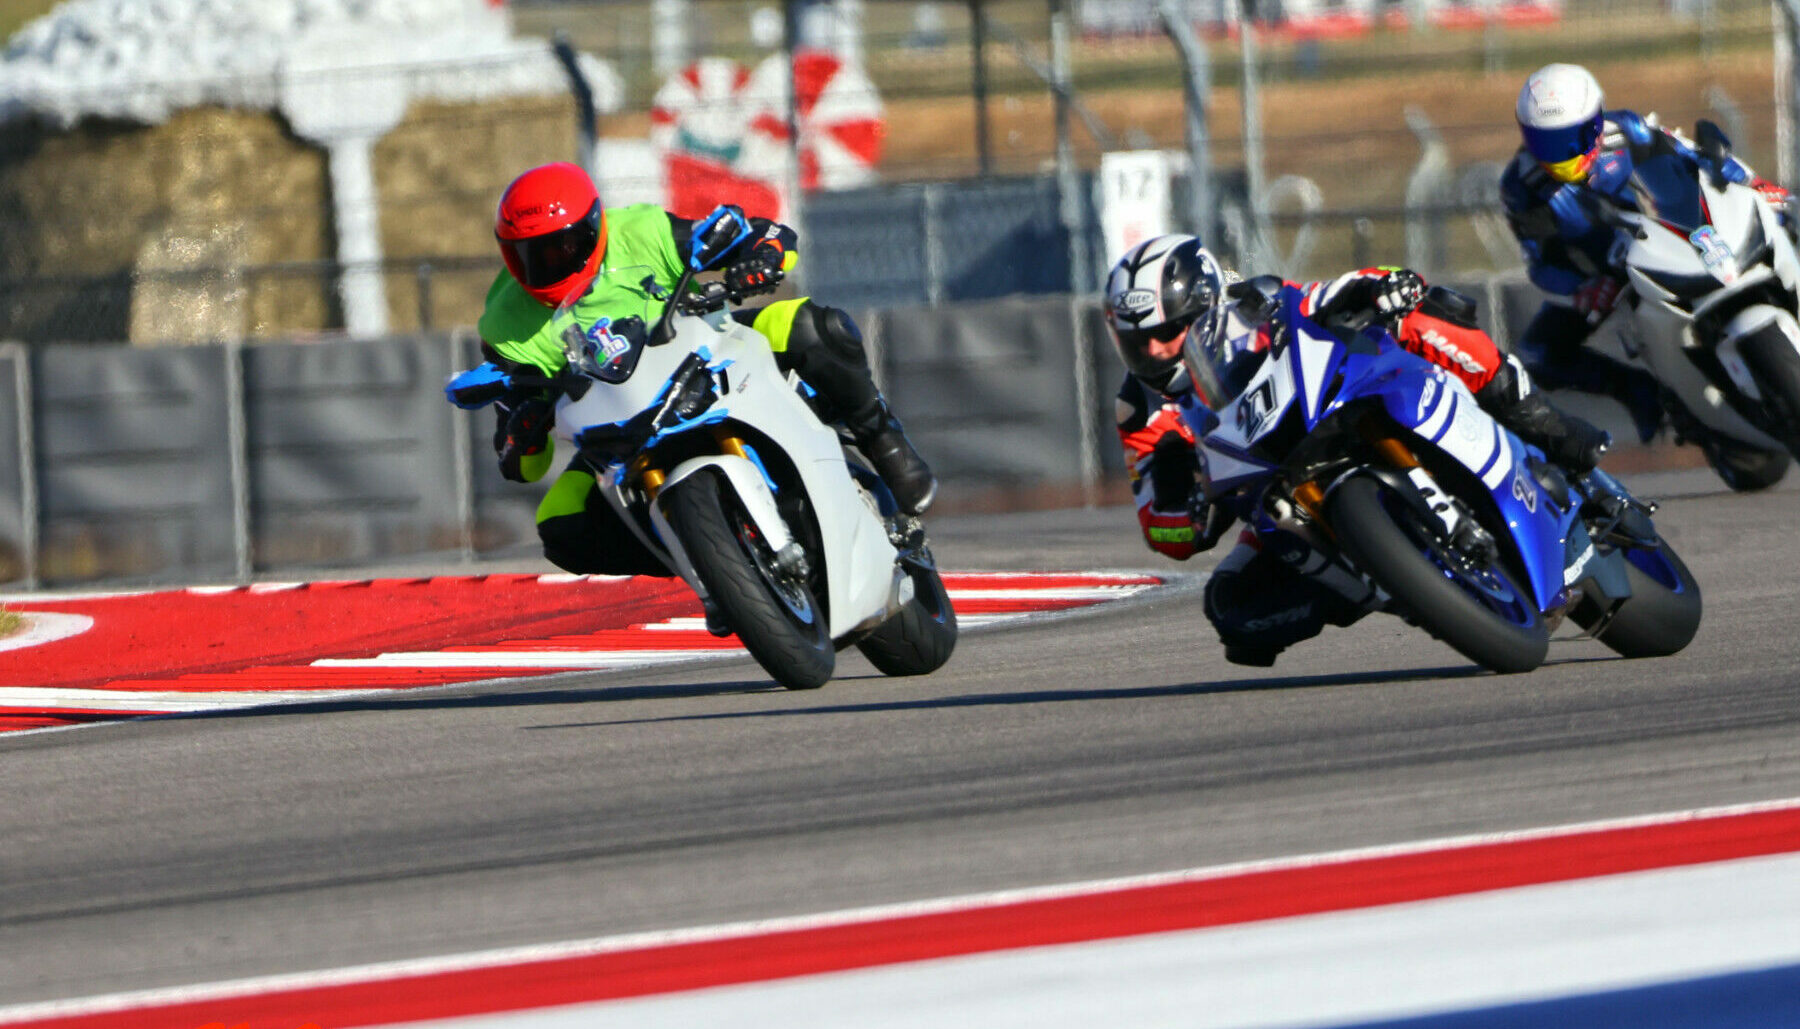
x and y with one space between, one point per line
1663 612
1441 604
1776 365
921 636
778 621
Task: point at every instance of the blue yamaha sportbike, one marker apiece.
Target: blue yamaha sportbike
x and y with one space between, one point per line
1341 437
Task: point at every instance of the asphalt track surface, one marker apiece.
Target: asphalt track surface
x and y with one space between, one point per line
192 849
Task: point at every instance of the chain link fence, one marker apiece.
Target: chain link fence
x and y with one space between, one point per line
924 148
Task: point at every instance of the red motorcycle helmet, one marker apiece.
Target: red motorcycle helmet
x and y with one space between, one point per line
552 231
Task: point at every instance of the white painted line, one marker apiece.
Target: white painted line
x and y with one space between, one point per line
1455 954
1059 593
46 627
50 699
523 659
633 941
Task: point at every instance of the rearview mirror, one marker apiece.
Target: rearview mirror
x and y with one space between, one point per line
1712 141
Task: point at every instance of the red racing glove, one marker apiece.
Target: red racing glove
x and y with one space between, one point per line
1595 297
1170 534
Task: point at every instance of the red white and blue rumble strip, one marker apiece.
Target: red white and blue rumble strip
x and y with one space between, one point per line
82 659
1678 920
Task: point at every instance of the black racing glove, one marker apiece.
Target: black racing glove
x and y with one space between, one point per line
522 428
759 271
1389 294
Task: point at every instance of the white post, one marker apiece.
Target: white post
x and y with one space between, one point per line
29 515
1785 15
668 36
361 286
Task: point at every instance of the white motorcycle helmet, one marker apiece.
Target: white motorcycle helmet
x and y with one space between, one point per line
1160 289
1561 118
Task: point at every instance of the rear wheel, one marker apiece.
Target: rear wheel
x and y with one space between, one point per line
1663 612
919 638
1476 608
773 613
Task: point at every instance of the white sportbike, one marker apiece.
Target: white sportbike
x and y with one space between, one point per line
1710 308
719 464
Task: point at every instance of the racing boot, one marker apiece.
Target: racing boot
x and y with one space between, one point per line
1569 441
882 438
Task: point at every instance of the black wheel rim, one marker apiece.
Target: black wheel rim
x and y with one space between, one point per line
796 600
1487 583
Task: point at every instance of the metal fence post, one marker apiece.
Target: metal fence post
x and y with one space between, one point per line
29 513
1259 238
1087 458
462 455
1425 190
930 209
1787 23
1196 79
1068 179
237 443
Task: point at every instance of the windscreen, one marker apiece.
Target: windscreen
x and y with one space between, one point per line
1668 188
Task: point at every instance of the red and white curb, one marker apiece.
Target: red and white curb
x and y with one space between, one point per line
1562 926
101 657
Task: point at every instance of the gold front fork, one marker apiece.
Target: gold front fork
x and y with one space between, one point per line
1311 496
651 478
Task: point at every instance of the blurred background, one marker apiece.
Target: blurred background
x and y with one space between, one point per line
242 243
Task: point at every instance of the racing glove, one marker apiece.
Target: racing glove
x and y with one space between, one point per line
522 437
1167 475
478 387
1594 299
1388 293
759 271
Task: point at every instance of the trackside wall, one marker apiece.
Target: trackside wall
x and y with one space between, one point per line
219 463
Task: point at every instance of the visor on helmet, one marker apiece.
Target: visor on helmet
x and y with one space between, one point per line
1134 349
1566 152
540 261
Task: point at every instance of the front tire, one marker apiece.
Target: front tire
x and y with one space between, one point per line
1744 468
1776 365
919 638
776 618
1502 630
1663 612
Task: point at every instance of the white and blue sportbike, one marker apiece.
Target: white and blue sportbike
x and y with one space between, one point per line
717 461
1371 454
1711 304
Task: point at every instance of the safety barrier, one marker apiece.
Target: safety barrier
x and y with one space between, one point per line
218 463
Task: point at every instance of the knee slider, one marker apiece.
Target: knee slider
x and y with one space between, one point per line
837 330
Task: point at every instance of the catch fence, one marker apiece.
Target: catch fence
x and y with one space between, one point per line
928 151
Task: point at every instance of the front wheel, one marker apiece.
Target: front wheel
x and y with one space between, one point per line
774 614
918 639
1663 612
1744 468
1478 610
1776 366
